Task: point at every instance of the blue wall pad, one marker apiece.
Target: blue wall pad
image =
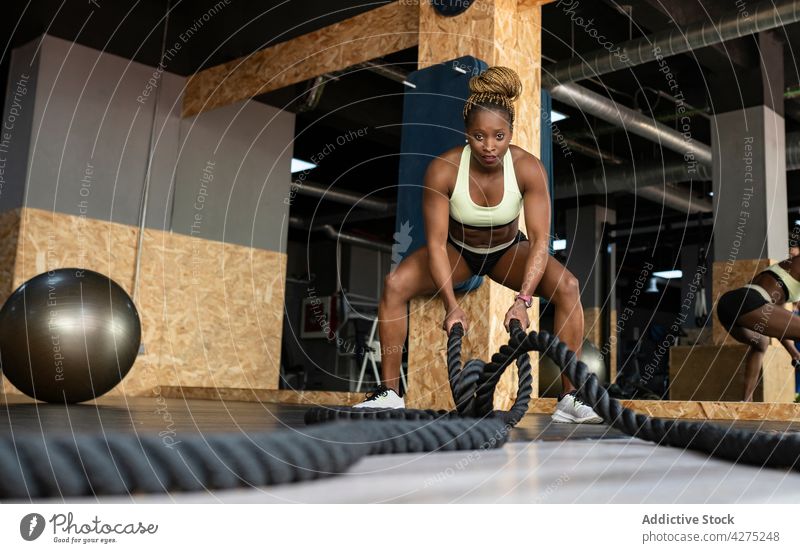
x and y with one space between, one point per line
432 124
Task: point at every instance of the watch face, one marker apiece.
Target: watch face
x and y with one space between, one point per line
450 8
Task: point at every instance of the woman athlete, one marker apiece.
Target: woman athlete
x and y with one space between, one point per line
753 314
472 199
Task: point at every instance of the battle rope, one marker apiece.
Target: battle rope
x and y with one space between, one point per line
112 464
68 466
740 445
472 385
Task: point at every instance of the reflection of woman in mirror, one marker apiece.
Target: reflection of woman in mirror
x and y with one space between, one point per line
753 314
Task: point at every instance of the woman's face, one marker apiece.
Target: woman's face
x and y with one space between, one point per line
488 135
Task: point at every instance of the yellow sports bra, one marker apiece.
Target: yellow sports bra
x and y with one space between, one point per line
790 285
463 210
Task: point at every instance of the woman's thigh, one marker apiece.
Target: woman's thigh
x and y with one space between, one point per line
510 272
413 274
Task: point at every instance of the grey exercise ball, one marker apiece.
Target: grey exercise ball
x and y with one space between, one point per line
550 374
68 335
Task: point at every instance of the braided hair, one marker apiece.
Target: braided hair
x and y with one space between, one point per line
496 88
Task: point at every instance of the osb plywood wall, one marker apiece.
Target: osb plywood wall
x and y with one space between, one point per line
427 347
211 312
499 32
365 37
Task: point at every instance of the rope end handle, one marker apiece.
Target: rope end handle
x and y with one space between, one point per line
456 330
514 325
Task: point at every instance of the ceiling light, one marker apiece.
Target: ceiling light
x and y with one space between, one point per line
300 165
669 274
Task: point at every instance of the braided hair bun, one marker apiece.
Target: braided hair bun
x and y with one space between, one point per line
497 87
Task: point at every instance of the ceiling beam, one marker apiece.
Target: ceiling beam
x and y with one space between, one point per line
367 36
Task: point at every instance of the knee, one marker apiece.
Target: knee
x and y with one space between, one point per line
569 290
760 344
395 287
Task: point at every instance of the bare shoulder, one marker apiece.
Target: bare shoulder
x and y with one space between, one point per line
448 159
792 265
442 169
529 169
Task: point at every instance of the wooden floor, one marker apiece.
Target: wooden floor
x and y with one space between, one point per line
153 415
544 462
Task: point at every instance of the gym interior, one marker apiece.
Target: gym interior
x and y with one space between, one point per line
202 203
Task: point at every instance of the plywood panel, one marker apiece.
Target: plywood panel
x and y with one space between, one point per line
218 308
427 350
291 397
373 34
211 312
500 34
50 240
9 235
470 33
593 325
716 373
521 50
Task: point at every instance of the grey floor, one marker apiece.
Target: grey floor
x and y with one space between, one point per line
544 463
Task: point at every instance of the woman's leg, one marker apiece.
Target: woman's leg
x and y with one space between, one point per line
410 278
771 320
557 285
753 358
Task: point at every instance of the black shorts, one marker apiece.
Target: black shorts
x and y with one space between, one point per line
735 303
483 263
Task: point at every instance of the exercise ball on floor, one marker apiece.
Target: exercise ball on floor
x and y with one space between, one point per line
550 375
68 335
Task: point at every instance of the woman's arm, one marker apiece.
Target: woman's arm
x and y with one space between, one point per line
536 203
436 212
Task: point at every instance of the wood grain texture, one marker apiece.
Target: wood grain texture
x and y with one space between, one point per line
427 348
218 311
593 325
211 312
9 236
289 397
716 373
49 240
365 37
500 34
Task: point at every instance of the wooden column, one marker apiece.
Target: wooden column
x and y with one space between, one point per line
500 32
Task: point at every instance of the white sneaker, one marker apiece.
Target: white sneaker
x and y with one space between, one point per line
572 410
382 398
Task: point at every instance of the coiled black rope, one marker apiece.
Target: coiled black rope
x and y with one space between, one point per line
751 447
69 466
472 385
